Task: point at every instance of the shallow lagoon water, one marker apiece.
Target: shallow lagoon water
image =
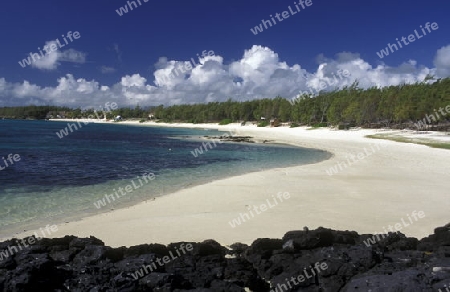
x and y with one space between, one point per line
58 180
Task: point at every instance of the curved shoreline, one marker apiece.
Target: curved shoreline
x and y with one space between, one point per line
21 229
366 197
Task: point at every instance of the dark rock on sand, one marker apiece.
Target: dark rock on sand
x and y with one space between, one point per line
347 263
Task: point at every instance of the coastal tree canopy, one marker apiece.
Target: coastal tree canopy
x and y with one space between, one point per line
372 107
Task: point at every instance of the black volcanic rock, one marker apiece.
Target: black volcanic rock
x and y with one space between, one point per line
306 260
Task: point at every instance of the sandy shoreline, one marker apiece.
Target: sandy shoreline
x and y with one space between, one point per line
379 189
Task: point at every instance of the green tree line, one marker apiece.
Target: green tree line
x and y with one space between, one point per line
373 107
46 112
30 112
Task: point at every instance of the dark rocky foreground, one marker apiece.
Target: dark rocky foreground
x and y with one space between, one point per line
395 263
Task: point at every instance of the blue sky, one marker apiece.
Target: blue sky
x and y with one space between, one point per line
128 59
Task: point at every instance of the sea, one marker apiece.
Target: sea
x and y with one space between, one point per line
55 180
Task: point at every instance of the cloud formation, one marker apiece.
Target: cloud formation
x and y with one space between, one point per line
442 62
258 74
52 60
107 70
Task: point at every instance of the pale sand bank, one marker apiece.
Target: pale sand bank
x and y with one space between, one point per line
376 191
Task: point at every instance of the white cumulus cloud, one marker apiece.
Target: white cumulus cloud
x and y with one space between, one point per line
442 62
259 73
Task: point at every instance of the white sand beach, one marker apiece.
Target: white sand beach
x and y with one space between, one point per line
377 190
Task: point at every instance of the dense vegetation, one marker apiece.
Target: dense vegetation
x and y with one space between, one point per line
45 112
30 112
374 107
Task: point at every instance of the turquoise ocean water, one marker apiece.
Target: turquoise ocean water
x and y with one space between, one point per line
58 180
